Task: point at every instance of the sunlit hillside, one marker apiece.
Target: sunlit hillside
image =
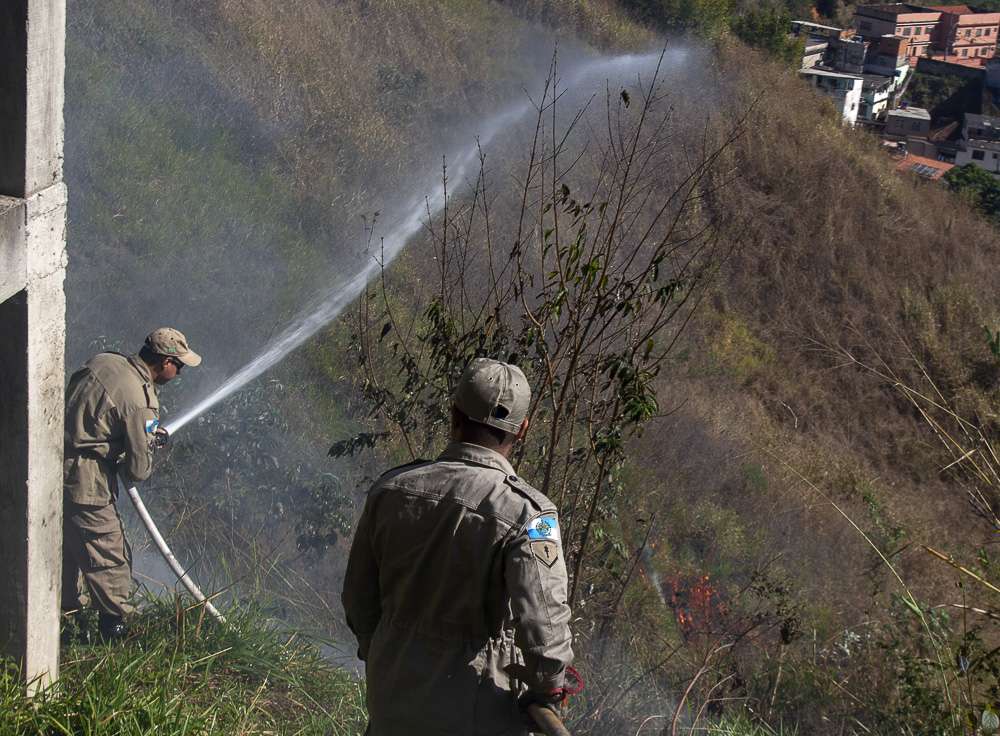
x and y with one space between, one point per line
795 401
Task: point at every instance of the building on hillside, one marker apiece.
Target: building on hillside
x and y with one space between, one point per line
908 121
888 56
912 22
814 51
816 40
980 143
846 55
876 97
965 34
950 32
942 143
928 168
843 89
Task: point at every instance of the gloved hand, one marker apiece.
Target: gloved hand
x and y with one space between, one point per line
551 700
160 438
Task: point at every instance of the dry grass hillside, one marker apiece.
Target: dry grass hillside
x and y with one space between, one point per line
844 263
848 256
795 482
741 558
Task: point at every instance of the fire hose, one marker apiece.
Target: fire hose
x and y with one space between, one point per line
168 556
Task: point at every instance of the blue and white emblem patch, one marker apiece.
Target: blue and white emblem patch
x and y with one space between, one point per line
151 425
544 527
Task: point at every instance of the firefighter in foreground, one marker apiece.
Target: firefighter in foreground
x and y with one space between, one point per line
456 583
112 427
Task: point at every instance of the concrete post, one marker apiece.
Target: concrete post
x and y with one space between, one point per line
32 331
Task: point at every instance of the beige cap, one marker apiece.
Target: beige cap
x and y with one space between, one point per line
172 343
493 393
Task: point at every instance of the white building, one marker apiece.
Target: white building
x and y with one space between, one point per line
843 89
876 96
980 144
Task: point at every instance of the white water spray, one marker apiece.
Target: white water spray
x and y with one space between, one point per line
345 292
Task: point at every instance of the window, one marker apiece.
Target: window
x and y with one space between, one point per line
995 157
965 52
907 31
979 31
899 31
978 155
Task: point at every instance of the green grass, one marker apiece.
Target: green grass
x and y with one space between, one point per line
742 726
178 673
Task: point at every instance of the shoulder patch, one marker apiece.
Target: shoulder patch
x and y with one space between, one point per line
525 489
544 528
546 552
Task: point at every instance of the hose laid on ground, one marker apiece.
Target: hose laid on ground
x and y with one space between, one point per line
168 556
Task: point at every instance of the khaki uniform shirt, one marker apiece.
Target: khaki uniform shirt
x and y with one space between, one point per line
111 410
456 572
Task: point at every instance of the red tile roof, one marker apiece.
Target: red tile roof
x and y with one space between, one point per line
928 168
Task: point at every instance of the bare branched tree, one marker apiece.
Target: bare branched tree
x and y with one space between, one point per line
585 277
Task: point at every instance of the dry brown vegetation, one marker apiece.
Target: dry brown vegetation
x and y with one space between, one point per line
851 255
799 482
762 422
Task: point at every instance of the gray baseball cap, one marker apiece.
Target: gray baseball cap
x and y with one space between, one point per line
493 393
172 343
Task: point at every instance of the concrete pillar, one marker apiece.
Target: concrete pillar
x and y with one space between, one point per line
32 331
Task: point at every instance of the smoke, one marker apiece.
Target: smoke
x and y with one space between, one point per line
327 307
188 208
462 163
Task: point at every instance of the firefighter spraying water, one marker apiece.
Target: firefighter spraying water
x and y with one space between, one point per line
112 427
544 676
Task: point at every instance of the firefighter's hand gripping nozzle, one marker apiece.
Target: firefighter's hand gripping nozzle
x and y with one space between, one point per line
160 437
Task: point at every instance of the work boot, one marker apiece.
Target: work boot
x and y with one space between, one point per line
112 628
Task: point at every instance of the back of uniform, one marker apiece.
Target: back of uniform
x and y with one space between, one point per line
111 412
456 572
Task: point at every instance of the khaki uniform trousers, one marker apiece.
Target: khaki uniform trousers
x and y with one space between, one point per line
95 548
